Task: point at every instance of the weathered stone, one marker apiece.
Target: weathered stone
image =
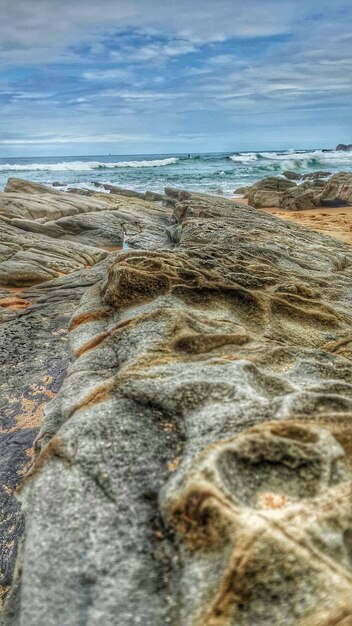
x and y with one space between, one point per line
315 175
261 198
291 175
18 185
273 183
61 257
267 192
338 190
195 466
300 198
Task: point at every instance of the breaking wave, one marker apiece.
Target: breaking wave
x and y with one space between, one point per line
82 166
293 160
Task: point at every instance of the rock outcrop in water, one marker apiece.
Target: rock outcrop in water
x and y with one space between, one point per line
344 147
195 466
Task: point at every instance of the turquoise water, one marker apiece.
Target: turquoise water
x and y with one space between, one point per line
217 173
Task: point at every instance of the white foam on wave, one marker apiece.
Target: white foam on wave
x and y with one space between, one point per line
292 159
83 166
246 157
319 155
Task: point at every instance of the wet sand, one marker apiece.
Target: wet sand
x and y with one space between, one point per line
333 221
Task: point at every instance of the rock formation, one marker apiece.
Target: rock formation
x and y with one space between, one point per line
338 190
53 246
311 176
195 466
284 193
344 147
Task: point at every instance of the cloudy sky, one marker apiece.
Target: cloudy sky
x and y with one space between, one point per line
156 76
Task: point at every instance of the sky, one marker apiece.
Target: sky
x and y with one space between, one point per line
89 77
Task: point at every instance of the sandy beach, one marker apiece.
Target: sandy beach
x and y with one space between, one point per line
333 221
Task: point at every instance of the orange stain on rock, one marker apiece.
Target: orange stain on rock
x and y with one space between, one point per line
14 303
270 501
12 289
173 465
32 408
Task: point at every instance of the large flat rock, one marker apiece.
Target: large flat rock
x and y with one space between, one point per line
194 467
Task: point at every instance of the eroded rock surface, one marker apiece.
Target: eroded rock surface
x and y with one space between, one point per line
53 246
194 468
338 191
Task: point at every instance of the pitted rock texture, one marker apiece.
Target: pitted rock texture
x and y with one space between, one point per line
53 247
195 466
275 503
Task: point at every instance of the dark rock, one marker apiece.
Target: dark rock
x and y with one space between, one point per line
316 175
180 194
291 175
310 176
344 147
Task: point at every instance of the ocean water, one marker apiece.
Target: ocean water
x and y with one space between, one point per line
216 173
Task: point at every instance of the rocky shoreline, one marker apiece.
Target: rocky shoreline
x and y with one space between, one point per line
189 402
288 192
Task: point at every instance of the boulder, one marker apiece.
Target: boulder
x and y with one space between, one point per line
311 176
338 190
273 183
267 192
260 198
18 185
316 175
291 175
299 198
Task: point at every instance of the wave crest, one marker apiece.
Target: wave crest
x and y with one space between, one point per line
293 160
84 166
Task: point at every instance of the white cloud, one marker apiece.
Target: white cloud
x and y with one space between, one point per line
43 25
103 75
146 64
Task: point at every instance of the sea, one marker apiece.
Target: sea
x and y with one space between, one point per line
215 173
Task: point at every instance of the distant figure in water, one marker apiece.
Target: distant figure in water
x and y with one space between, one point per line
188 156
